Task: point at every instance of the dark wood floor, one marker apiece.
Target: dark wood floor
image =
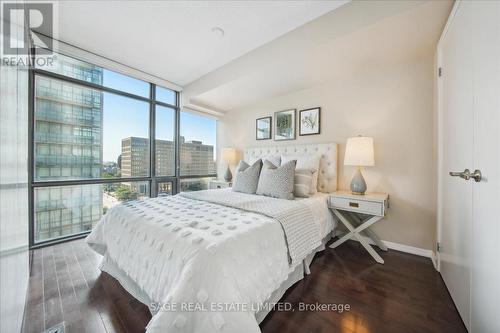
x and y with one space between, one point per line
404 295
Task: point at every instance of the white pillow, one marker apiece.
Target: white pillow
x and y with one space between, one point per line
306 161
303 182
274 159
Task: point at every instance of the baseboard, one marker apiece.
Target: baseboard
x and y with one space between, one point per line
402 248
409 249
435 261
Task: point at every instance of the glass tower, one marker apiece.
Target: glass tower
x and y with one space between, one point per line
68 146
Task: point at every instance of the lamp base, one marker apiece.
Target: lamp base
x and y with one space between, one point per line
358 184
228 176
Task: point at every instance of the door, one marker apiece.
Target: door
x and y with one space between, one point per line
485 286
456 155
469 97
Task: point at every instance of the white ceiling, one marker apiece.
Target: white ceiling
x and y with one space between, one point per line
354 38
174 39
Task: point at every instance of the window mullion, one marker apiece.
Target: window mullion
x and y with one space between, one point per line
177 144
153 190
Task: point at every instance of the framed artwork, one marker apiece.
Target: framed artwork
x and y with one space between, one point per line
263 128
310 121
284 125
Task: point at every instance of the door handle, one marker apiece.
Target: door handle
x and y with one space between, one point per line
477 176
466 174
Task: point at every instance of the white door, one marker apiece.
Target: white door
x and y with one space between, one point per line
485 283
456 155
469 129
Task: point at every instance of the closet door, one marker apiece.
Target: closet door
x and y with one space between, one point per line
456 83
485 281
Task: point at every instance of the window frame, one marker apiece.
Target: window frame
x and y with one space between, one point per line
153 179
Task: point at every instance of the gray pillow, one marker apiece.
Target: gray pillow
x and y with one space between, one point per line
247 177
277 182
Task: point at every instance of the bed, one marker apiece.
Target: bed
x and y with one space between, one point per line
217 260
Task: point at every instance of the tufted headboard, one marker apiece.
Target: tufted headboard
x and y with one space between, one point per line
327 178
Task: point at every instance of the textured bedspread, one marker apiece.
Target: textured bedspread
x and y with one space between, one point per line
301 232
208 267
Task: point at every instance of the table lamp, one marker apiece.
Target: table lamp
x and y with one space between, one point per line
359 153
229 157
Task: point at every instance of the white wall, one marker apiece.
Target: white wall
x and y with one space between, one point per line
14 272
393 102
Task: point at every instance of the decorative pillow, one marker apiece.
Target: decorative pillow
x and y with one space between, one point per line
306 161
274 159
303 182
247 177
277 182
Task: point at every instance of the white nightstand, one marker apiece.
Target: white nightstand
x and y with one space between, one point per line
218 184
347 206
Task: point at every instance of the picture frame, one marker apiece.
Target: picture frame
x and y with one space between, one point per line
263 128
284 125
310 121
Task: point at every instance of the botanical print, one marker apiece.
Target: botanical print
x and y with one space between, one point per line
309 121
263 128
285 125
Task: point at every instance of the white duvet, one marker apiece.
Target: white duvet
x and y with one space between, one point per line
207 267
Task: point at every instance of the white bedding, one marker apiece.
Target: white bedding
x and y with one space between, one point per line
296 218
210 265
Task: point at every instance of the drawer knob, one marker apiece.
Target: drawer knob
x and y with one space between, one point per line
354 204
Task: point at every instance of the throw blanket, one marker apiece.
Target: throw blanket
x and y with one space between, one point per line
296 219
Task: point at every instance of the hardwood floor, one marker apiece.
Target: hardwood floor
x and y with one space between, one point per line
404 295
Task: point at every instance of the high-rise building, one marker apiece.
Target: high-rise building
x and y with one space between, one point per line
68 145
135 157
196 158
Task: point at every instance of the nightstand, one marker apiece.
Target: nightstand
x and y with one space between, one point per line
350 207
218 184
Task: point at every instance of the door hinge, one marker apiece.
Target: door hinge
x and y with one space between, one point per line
438 247
440 71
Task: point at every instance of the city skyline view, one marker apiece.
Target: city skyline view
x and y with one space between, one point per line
133 115
81 131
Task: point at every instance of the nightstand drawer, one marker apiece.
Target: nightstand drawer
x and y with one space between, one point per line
218 184
358 206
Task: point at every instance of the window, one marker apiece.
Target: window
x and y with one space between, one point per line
197 145
88 137
165 189
91 146
61 211
195 184
166 95
165 141
84 71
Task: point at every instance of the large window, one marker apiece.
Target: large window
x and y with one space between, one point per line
99 138
165 141
197 145
82 133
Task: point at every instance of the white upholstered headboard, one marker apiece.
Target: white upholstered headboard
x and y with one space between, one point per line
327 178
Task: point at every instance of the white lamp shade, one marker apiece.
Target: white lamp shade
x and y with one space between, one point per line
359 151
229 155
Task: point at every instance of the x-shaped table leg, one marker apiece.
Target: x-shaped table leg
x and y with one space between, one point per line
354 232
369 232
